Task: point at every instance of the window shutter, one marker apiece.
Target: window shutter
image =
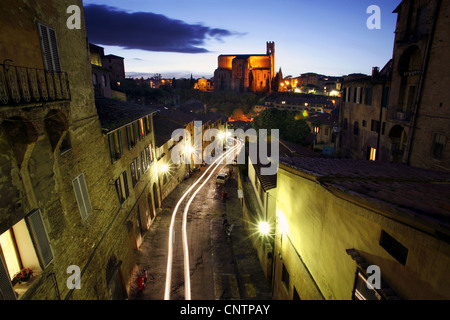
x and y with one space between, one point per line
49 48
82 196
128 129
40 238
125 183
6 289
119 136
112 149
54 48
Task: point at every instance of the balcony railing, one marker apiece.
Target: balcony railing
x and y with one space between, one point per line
22 85
400 115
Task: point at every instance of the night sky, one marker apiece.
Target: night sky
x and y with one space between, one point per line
178 38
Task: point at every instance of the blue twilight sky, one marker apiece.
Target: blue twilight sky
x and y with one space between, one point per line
177 38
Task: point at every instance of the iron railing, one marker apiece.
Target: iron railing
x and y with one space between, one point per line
399 114
22 85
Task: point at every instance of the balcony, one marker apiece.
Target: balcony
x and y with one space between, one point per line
22 85
399 115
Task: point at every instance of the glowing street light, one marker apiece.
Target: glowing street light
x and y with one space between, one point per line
264 228
163 168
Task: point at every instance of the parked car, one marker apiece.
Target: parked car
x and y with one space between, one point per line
222 177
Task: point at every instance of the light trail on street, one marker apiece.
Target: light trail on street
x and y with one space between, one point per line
211 168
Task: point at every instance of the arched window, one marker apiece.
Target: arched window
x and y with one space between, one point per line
356 128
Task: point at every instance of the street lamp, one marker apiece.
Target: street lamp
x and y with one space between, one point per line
163 168
264 228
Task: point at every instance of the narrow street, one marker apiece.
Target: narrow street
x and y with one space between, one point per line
220 268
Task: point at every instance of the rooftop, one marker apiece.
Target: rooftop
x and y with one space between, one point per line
420 194
163 128
114 114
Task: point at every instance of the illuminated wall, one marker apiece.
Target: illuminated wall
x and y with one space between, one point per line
317 226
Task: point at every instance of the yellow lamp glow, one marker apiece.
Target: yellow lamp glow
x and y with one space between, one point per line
264 227
163 168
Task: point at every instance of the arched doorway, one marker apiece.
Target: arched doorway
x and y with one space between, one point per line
150 206
20 133
398 138
55 125
155 196
114 279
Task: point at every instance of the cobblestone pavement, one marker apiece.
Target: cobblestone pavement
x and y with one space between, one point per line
221 268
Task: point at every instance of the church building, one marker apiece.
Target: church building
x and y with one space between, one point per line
246 72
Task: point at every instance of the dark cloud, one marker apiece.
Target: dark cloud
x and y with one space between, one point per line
147 31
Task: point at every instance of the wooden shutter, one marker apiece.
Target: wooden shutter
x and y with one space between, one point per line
112 148
40 237
6 289
49 48
125 184
82 196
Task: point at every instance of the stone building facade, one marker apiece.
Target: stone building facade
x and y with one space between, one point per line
337 217
363 115
60 210
414 121
246 73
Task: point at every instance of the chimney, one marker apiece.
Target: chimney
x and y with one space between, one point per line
375 72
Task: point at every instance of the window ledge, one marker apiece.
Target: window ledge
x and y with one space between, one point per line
21 288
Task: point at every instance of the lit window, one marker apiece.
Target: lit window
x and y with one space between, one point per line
141 128
131 135
115 145
24 245
373 154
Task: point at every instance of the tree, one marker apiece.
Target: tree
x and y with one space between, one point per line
291 128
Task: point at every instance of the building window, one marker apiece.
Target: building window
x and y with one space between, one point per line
393 247
368 96
24 245
438 145
345 125
144 162
347 94
115 145
148 155
104 80
122 187
364 123
132 135
148 127
133 174
66 145
358 91
363 289
375 126
141 129
356 128
371 153
135 168
285 277
49 48
82 196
